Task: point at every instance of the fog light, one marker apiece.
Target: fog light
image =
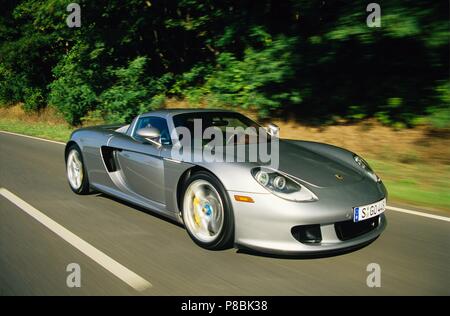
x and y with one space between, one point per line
308 234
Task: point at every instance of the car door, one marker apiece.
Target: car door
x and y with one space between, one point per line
141 164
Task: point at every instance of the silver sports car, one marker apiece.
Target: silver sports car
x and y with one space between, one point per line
311 197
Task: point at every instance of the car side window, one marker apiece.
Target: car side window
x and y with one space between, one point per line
155 122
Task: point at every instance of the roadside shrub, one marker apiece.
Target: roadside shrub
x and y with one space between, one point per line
192 78
35 100
439 117
132 93
71 93
12 86
158 101
439 114
94 117
246 82
356 112
127 96
72 97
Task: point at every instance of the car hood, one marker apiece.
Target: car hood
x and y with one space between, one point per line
314 168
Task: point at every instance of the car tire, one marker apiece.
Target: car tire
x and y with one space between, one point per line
215 192
75 166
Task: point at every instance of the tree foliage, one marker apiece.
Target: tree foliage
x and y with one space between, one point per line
131 93
316 59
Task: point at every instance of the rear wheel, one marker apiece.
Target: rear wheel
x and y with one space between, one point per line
75 171
207 212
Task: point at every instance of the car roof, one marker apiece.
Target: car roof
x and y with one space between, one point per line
173 112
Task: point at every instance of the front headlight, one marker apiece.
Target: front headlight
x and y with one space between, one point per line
365 166
282 186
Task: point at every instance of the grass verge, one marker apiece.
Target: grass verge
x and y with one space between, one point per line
416 184
59 132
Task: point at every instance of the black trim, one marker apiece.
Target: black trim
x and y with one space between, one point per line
109 158
348 229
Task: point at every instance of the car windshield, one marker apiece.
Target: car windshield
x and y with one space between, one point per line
233 126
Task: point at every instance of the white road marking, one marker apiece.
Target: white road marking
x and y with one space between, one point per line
129 277
392 208
402 210
33 137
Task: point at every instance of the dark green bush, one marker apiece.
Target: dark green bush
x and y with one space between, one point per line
439 113
70 92
12 86
246 82
35 99
130 94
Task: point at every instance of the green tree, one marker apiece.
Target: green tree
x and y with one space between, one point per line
314 59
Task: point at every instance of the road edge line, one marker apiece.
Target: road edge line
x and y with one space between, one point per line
33 137
123 273
402 210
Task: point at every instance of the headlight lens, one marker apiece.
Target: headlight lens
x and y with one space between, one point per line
281 185
362 163
262 177
279 182
365 166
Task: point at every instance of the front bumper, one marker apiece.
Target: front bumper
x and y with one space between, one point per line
266 224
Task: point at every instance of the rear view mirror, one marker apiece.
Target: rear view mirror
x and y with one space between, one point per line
273 130
150 134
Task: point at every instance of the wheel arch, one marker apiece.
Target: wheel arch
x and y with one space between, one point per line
182 180
68 145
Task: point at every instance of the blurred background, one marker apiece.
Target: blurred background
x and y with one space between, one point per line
313 67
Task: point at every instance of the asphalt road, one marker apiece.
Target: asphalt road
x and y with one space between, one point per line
413 252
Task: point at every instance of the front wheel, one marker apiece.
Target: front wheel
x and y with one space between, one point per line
207 212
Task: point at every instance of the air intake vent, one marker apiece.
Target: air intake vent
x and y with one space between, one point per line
348 229
307 234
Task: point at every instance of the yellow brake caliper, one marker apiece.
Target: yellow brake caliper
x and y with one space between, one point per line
196 205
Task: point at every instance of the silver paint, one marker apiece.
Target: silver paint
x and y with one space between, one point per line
147 176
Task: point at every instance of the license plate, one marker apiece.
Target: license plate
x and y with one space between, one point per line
362 213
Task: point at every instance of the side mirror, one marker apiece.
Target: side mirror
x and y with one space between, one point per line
150 134
273 130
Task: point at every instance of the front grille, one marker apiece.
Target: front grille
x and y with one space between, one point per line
348 229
